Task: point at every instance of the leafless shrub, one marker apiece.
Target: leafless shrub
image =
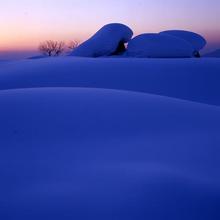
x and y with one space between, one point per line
73 44
52 48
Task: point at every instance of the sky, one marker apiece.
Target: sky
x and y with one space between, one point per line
26 23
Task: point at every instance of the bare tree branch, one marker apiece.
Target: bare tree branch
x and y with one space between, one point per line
73 44
52 48
59 49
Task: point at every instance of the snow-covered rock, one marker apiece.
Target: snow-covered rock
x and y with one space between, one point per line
197 41
159 46
215 54
105 42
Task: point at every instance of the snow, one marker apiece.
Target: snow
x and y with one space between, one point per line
158 46
104 42
215 53
106 154
189 79
37 57
138 140
197 41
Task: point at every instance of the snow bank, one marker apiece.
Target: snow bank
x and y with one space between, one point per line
215 54
190 79
103 154
105 42
197 41
158 46
37 57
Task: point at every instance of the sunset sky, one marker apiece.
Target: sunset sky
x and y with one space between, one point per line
25 23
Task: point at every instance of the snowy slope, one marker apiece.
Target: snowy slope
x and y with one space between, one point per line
93 153
102 154
190 79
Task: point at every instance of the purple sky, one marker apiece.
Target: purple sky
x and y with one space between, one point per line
25 23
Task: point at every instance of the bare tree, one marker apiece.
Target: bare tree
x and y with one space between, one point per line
73 44
52 48
59 49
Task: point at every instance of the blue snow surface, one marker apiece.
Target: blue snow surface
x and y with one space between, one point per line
110 139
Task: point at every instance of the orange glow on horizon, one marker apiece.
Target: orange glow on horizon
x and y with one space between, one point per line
30 42
24 23
15 39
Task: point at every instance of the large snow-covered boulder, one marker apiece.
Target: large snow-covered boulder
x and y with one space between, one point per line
197 41
159 46
109 40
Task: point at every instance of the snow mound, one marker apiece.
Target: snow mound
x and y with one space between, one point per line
107 41
37 57
215 54
80 154
159 46
190 79
197 41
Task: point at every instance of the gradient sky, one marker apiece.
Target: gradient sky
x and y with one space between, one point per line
25 23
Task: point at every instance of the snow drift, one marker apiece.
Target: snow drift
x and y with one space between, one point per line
197 41
215 54
107 41
101 154
190 79
93 153
158 46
